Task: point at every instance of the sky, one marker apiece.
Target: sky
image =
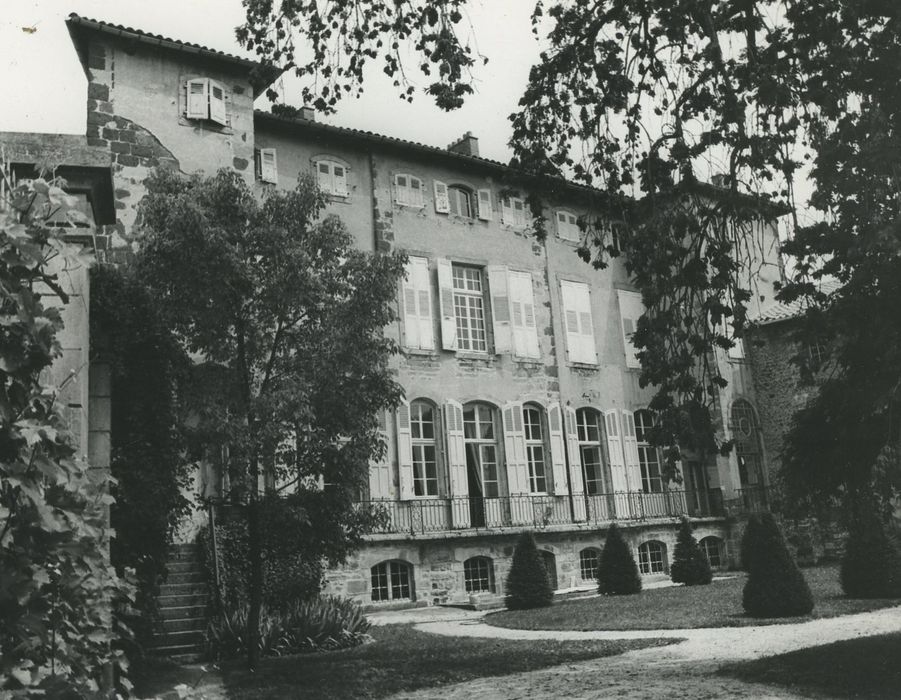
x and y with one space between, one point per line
40 70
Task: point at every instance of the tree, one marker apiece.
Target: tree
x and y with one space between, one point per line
287 320
871 565
617 571
527 583
690 565
643 97
775 585
58 592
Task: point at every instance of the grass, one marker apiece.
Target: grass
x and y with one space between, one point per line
153 676
402 659
855 668
682 607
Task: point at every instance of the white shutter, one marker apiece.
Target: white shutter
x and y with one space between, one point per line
456 463
558 448
578 321
417 305
411 306
486 211
507 215
380 469
442 202
446 301
324 176
404 450
630 451
198 99
500 308
515 449
415 192
522 307
575 463
217 103
630 310
339 174
401 192
615 451
268 165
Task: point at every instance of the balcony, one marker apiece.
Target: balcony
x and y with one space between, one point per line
442 515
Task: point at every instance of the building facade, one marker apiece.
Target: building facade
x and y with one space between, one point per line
522 405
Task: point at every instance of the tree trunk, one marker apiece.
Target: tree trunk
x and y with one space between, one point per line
255 544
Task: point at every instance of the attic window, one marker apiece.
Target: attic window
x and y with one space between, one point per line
205 100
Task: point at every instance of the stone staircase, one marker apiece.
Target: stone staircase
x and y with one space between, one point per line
183 604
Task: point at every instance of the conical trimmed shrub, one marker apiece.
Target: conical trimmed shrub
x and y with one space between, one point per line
871 566
617 570
775 585
527 582
690 565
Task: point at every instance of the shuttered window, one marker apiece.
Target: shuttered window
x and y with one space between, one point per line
513 212
417 305
408 190
631 309
535 449
578 321
268 165
648 455
425 452
568 226
469 309
522 314
332 177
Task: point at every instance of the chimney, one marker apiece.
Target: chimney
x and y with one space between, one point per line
307 113
467 145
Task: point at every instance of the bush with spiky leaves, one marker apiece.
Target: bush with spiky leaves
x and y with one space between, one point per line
617 571
871 566
527 582
775 585
690 565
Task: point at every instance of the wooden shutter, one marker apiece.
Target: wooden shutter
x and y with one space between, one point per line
456 463
442 201
197 105
486 211
558 448
500 308
401 193
268 165
446 301
577 317
507 216
577 484
415 192
630 451
615 451
324 176
630 310
411 306
417 305
217 103
404 450
522 305
517 465
339 174
380 469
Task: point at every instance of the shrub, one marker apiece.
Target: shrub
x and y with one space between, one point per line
775 585
527 582
690 565
324 623
617 571
871 566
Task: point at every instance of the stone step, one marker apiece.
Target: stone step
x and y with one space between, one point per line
186 577
180 612
177 639
183 566
185 624
184 653
183 588
183 599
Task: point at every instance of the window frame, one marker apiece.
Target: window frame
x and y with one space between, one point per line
648 562
471 327
709 542
534 417
398 574
406 195
649 456
517 217
567 226
479 444
455 193
422 480
596 554
749 448
478 569
586 444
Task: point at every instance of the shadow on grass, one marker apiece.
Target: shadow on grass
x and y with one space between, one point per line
402 659
155 677
855 668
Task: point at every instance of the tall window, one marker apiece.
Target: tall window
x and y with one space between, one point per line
478 575
652 557
534 448
460 201
425 467
480 439
746 432
588 428
648 455
589 559
391 581
469 309
713 550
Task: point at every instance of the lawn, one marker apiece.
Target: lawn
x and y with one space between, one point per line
678 607
402 659
855 668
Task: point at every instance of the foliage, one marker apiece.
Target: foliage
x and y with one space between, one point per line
147 458
690 565
319 624
527 583
57 588
775 586
287 320
617 570
871 565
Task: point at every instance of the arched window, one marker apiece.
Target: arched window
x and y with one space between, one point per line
460 201
648 455
746 433
535 450
425 464
550 566
589 558
652 557
480 440
713 550
588 428
478 574
392 580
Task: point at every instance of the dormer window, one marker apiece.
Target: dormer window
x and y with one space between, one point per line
408 190
332 177
205 100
